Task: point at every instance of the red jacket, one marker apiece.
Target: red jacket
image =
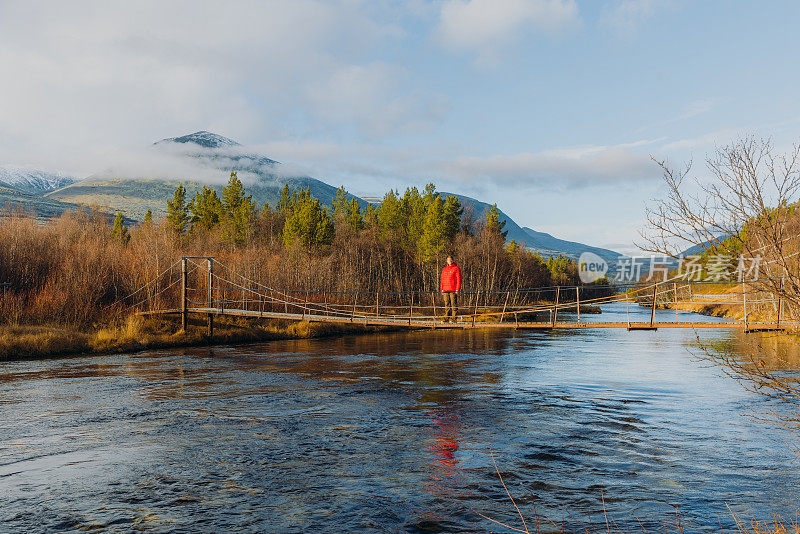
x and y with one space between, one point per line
451 278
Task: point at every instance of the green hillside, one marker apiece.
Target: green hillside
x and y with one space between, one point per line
34 205
134 196
210 153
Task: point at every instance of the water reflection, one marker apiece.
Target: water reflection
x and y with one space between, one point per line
388 432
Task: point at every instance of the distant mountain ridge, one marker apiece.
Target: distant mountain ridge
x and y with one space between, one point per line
134 195
32 181
48 195
543 243
202 138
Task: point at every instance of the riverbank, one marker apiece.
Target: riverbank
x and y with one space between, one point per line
28 342
712 302
492 315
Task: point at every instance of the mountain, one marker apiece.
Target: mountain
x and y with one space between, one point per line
41 208
22 188
702 247
32 181
211 155
547 244
202 138
544 244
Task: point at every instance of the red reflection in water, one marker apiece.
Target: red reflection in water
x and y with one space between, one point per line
446 441
446 479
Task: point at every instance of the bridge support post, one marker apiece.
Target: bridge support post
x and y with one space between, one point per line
555 307
675 299
433 302
627 313
653 309
210 297
780 299
184 311
578 301
744 305
477 296
502 315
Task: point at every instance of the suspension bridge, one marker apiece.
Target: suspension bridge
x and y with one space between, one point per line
207 288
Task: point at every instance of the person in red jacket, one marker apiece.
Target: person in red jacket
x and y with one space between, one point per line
450 286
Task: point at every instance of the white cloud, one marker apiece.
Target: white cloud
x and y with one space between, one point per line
572 167
705 141
367 96
85 77
625 17
694 109
374 168
489 26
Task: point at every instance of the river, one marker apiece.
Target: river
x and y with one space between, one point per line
393 432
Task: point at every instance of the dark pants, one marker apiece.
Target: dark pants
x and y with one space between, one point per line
450 304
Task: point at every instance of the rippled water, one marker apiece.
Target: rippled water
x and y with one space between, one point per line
389 433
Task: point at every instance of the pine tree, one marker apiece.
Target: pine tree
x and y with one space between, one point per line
233 195
238 212
434 235
285 203
206 208
308 224
430 192
177 211
354 219
148 217
452 217
120 232
390 214
371 216
415 209
239 225
493 223
341 204
345 209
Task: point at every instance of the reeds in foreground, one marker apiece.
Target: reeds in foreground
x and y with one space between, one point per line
537 522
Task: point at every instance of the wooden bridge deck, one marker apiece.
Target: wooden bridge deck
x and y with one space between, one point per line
419 322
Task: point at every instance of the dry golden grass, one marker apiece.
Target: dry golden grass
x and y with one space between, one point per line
25 342
777 526
72 272
137 333
518 521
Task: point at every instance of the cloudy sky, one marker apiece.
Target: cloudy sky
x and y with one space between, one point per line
551 108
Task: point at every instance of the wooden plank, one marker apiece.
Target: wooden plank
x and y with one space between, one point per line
422 323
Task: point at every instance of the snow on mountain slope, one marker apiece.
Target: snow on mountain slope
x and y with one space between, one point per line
189 159
202 138
32 181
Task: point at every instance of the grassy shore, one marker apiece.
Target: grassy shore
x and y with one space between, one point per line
27 342
733 310
137 333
